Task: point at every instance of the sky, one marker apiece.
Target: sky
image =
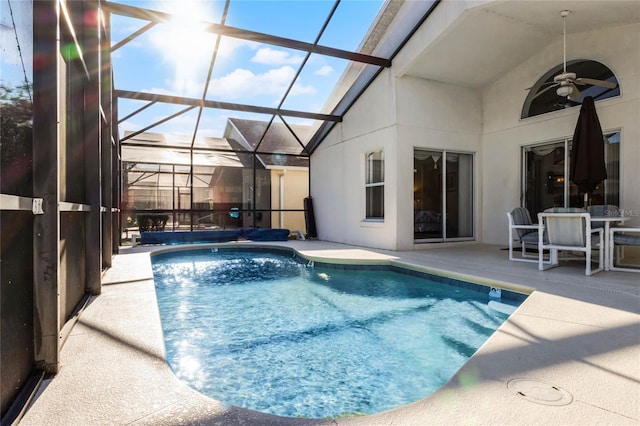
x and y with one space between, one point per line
16 45
174 58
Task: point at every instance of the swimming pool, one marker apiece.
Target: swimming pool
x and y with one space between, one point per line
267 331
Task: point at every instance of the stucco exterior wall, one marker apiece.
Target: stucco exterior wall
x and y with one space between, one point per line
337 171
431 115
504 133
398 113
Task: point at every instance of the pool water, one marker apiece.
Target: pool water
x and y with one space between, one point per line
268 332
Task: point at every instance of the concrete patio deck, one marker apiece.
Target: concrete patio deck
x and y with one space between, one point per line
580 334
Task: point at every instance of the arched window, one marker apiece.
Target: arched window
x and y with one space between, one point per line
538 103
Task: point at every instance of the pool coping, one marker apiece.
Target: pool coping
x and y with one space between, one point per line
478 386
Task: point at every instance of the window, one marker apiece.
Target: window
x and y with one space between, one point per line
542 98
374 184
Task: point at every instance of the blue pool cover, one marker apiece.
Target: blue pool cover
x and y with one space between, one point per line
218 236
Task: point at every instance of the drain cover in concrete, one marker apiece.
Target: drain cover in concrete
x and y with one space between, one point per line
540 392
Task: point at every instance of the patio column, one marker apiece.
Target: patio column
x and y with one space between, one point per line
46 178
92 145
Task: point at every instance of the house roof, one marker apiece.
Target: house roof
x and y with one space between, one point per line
279 147
175 149
271 144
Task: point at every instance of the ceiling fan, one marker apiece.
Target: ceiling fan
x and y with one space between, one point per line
567 82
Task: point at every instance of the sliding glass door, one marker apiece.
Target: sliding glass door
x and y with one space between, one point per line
545 174
545 181
442 195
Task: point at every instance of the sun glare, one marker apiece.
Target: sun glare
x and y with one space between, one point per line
186 45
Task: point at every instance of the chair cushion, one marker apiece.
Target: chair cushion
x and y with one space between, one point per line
531 237
626 239
521 216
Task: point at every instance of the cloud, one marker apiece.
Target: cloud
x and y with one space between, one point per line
242 83
187 85
325 70
229 45
269 56
299 89
161 91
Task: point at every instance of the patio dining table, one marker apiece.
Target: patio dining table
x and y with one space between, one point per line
608 220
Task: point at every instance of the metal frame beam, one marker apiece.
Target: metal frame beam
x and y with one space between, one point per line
134 35
129 142
157 123
145 96
139 110
390 46
92 149
160 17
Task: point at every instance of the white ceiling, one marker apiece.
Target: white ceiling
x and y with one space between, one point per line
486 41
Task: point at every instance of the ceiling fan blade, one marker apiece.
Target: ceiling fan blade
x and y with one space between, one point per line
593 82
575 93
542 85
545 90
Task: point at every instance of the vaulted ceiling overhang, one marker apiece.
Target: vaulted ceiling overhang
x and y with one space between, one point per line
486 40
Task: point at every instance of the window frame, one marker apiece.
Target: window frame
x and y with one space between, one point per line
443 185
577 66
374 180
611 197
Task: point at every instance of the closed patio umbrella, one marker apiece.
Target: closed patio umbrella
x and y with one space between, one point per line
588 168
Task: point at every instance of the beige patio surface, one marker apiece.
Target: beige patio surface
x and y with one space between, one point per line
576 340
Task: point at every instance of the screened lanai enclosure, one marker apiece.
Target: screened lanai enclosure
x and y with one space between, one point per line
216 183
121 117
219 111
141 115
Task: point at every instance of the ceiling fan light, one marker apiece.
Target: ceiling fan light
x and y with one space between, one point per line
564 90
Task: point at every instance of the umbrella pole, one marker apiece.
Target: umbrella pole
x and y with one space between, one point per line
586 200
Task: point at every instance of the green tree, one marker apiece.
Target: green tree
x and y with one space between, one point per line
16 140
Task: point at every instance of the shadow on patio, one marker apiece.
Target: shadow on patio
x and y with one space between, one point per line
578 333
